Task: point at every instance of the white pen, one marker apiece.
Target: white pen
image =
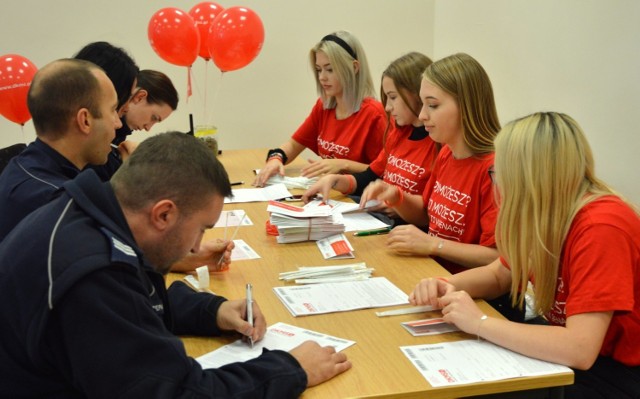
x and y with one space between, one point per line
250 310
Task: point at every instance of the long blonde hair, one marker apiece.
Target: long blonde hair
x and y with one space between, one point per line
355 86
545 175
461 76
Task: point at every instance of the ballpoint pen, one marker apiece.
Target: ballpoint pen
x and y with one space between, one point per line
250 310
363 233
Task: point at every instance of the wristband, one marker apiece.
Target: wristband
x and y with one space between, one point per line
352 184
399 201
277 152
276 156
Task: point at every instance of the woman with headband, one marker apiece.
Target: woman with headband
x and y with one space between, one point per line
346 125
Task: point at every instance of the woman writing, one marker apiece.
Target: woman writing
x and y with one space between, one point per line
409 152
346 124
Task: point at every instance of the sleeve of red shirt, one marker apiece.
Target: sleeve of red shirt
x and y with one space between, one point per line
307 133
488 210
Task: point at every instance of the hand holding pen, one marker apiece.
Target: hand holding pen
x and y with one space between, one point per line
232 316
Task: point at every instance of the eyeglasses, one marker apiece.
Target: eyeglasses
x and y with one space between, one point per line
492 173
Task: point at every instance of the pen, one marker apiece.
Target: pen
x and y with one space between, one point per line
363 233
250 310
237 183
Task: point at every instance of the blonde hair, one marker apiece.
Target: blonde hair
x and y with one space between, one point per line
545 175
355 86
462 77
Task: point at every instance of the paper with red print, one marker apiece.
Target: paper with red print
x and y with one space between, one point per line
473 361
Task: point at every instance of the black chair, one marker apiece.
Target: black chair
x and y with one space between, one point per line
9 152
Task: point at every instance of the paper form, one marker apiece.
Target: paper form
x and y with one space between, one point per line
471 361
279 336
339 297
233 219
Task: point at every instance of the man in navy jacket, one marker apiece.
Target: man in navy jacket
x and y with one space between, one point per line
83 305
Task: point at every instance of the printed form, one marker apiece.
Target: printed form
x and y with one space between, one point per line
279 336
313 299
470 361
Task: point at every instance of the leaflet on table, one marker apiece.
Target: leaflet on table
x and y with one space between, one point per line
243 251
353 218
335 247
339 297
258 194
279 336
435 326
472 361
233 218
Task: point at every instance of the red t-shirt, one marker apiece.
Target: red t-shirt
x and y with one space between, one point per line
357 138
459 201
405 163
600 272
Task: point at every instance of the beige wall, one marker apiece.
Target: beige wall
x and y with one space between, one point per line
581 57
257 106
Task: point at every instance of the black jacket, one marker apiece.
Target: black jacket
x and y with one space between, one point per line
83 315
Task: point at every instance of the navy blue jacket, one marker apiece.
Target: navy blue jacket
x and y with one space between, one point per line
83 315
29 181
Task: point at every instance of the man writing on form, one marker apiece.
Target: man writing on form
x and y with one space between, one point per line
83 303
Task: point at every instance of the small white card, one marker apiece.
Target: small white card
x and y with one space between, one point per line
335 247
233 218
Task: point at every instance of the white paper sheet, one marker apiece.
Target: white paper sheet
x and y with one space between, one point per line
339 297
335 247
471 361
279 336
243 251
258 194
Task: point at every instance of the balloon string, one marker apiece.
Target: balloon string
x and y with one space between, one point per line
206 84
215 95
189 89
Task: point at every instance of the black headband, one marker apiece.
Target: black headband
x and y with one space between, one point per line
341 43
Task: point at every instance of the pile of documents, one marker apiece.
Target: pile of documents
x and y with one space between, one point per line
328 274
309 223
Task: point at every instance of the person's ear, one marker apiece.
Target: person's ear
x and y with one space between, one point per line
83 120
164 214
356 66
140 95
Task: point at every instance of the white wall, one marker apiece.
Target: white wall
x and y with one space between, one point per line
257 106
576 56
581 57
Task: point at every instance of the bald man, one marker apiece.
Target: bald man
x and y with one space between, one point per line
73 105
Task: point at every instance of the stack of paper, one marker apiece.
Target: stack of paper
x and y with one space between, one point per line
353 217
296 224
328 274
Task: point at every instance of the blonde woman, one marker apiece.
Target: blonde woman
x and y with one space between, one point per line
409 152
346 124
457 205
578 243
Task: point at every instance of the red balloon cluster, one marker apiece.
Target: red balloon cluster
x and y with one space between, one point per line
16 74
232 37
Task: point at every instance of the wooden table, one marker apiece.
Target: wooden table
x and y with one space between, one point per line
379 369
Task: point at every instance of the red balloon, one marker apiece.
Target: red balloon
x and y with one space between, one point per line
173 36
16 74
203 15
235 38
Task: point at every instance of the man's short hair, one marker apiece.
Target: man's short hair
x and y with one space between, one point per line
58 91
173 166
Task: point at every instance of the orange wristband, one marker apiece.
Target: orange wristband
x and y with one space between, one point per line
352 185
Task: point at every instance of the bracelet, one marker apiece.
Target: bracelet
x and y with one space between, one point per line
483 318
352 185
276 156
277 152
399 201
442 279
